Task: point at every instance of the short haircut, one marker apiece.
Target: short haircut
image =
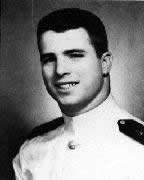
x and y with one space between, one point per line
73 18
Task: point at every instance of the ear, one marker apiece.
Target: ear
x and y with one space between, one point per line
106 60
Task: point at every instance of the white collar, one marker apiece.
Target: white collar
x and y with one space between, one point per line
94 117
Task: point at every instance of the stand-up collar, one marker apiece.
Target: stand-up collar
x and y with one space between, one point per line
96 118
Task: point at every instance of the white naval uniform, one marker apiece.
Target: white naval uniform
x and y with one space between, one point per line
94 149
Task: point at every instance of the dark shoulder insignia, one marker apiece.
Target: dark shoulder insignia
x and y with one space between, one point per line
46 127
132 128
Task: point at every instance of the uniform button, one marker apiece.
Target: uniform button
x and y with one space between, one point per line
71 145
122 122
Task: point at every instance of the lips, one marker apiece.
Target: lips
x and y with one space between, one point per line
66 85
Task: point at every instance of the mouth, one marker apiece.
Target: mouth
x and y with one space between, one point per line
65 86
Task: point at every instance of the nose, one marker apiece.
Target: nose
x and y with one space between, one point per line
62 66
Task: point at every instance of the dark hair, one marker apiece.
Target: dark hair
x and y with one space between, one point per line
72 18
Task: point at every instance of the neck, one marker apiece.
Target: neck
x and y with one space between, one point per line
74 110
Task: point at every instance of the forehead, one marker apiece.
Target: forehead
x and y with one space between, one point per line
74 38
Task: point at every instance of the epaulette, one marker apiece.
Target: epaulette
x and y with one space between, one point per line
46 127
133 129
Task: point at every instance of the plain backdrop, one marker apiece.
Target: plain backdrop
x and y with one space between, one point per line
24 102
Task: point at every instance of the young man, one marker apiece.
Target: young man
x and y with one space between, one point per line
95 138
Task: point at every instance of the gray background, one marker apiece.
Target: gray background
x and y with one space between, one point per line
24 102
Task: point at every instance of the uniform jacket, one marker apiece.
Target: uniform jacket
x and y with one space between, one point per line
105 143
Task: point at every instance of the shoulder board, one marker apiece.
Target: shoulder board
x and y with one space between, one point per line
133 129
46 127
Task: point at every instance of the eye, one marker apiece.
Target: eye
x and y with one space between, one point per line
76 55
48 58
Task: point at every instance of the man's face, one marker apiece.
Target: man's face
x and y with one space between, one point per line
71 70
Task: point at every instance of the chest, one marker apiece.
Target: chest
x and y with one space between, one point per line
91 160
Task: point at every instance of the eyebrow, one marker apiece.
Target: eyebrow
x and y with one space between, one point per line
74 51
45 55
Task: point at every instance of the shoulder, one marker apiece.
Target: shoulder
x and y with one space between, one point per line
133 128
46 128
129 125
42 135
119 112
37 144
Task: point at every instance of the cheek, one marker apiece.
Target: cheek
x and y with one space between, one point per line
48 72
90 71
91 78
90 64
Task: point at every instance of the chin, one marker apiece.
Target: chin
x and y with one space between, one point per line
67 101
73 103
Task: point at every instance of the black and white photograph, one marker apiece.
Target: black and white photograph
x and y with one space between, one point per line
72 90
